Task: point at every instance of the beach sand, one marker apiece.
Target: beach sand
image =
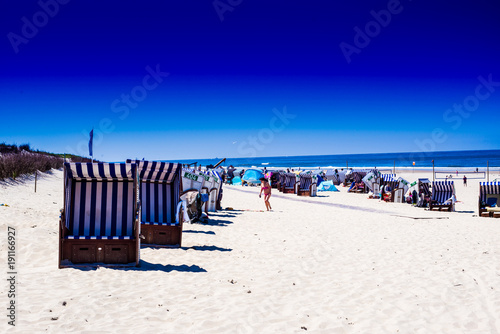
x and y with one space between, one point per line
337 263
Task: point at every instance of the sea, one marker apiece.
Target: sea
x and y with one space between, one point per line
460 160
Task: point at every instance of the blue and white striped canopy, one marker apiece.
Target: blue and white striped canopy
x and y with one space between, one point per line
442 191
488 188
154 171
100 171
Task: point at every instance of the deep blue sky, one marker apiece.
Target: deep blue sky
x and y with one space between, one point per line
226 77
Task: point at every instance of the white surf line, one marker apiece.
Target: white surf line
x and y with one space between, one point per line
340 206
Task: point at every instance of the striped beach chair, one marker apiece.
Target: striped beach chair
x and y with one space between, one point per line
442 191
281 180
159 194
100 219
398 193
358 179
290 183
219 184
306 184
212 187
489 199
424 187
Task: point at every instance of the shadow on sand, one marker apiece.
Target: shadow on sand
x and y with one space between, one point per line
143 266
204 232
208 248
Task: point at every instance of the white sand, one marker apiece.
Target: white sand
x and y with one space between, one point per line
309 264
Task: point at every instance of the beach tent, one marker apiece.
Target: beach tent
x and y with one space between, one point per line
327 186
99 222
237 181
253 176
159 194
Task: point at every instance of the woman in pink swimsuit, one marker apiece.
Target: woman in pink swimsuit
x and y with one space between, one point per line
266 188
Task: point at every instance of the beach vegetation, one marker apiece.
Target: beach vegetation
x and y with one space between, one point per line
21 160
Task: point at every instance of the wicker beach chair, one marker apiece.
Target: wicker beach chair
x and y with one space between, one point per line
99 222
306 184
281 180
212 183
489 199
290 183
219 184
358 179
159 194
442 191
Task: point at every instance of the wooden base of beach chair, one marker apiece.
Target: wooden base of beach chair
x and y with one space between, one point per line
99 251
170 236
304 193
288 191
440 208
485 214
496 214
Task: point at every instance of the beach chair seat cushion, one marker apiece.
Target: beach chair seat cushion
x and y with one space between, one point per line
493 209
73 237
160 224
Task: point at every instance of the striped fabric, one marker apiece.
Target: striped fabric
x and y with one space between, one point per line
290 180
388 180
388 177
100 171
442 191
282 177
305 181
426 189
154 171
159 192
98 238
158 202
488 188
100 200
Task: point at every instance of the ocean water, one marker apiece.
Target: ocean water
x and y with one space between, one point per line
451 159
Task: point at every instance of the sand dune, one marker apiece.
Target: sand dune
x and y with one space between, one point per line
338 263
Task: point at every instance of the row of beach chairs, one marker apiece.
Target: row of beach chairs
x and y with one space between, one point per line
111 209
303 184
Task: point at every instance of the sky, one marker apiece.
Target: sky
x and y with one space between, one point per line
166 80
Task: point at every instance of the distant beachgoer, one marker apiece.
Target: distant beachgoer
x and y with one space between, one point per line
465 181
387 194
457 172
266 188
230 174
477 170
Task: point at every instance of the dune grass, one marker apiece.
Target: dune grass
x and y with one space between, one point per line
22 160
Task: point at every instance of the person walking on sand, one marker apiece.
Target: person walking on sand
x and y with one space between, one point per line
266 188
465 181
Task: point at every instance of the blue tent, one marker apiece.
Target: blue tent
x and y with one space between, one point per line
253 176
236 181
327 186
